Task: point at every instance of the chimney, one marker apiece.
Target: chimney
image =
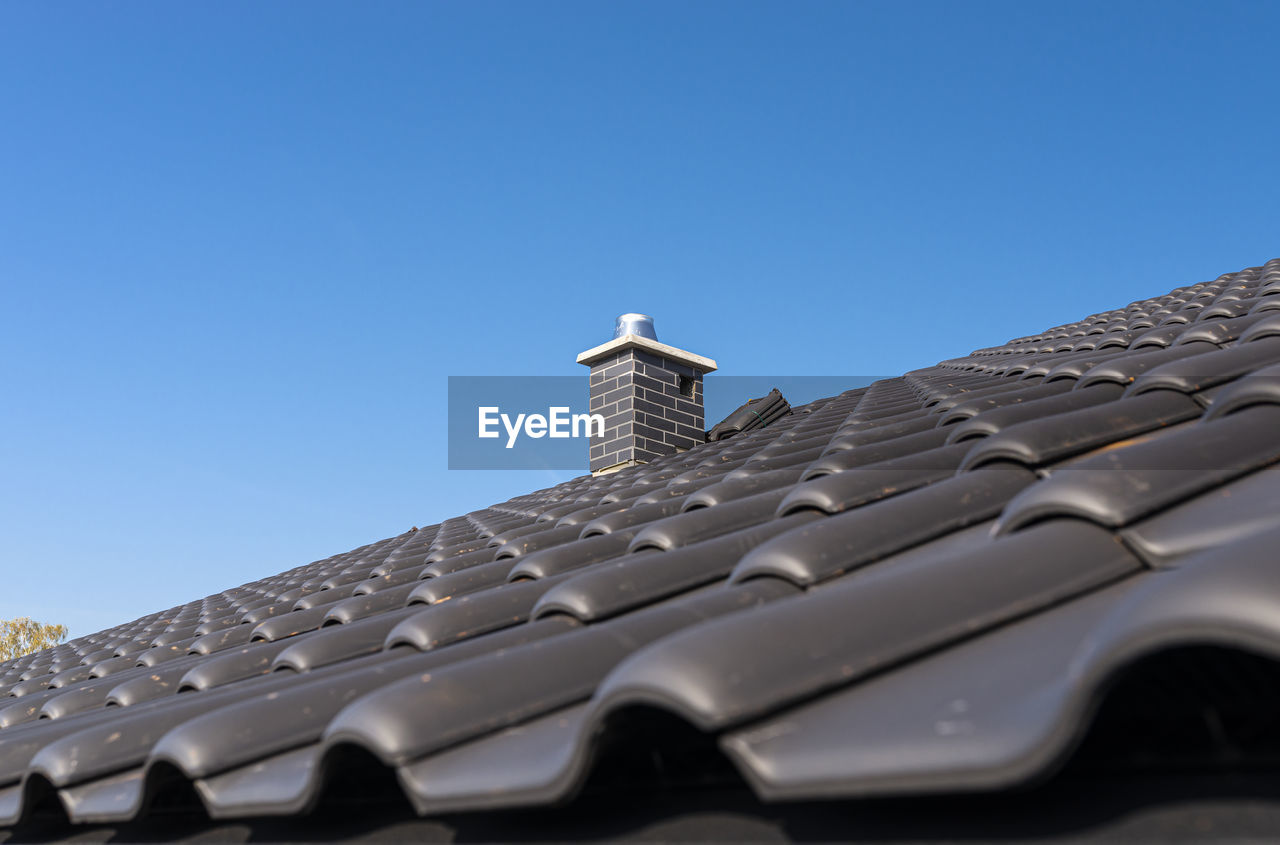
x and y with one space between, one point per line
649 393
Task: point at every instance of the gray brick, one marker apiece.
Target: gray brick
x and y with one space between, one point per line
681 418
662 364
648 407
613 383
647 358
649 383
617 369
666 400
657 450
661 375
661 424
617 395
677 437
681 442
648 431
605 385
615 358
687 406
643 419
617 409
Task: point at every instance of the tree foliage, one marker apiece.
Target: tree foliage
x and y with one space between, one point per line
22 636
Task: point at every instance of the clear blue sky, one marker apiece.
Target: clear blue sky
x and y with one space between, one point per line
242 245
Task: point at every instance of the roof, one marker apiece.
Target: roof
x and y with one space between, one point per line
939 583
753 414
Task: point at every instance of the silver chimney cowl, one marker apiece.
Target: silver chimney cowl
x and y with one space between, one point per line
637 324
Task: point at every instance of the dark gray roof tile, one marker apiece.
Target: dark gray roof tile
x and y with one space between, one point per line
1013 393
343 641
1043 365
839 544
572 556
232 665
857 422
1078 366
1202 371
704 523
842 491
78 700
956 719
632 517
1262 386
1216 518
459 563
828 594
1226 308
167 654
1219 331
740 483
872 453
478 696
1038 442
639 579
878 434
1269 326
995 420
528 764
323 598
190 632
1267 303
462 582
1119 486
1158 338
734 669
265 612
963 718
547 538
1123 370
112 665
223 639
382 583
455 618
275 720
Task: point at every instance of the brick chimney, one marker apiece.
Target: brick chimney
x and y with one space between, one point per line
649 393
